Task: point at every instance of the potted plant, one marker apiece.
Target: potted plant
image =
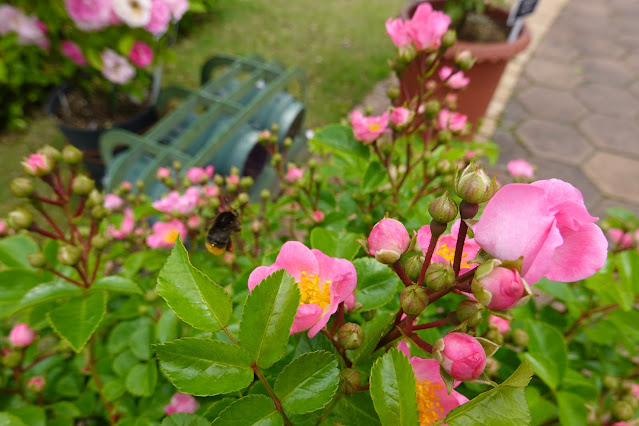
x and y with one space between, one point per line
481 31
117 47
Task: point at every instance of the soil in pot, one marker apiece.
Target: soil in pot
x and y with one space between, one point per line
483 29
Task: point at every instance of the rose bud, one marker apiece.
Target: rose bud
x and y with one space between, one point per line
22 187
448 39
50 151
68 255
350 381
439 276
20 218
71 155
38 165
99 241
413 266
413 299
21 335
460 355
474 186
500 324
432 108
464 60
469 311
443 209
350 336
181 403
82 185
11 359
520 337
36 384
388 240
498 288
36 259
622 410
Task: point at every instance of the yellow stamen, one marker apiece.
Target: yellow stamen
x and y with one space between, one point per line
171 236
374 127
428 406
449 254
314 292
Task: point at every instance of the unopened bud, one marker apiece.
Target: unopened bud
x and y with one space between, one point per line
312 163
520 337
38 165
443 209
231 187
96 198
20 218
242 198
430 59
150 295
246 182
214 203
474 186
11 359
349 381
495 336
177 166
71 154
265 194
98 212
369 315
448 39
50 151
623 411
611 382
444 136
99 242
413 266
22 187
287 143
276 159
439 276
256 226
392 92
218 179
36 259
68 255
492 366
350 336
469 311
464 60
36 384
82 185
413 299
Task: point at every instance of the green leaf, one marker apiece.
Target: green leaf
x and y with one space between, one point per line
8 419
116 284
48 292
575 382
217 407
374 177
572 409
248 411
77 320
373 332
140 342
121 335
356 410
14 284
184 419
376 283
205 367
124 362
541 410
125 44
167 326
142 379
195 299
340 140
31 415
308 383
114 389
549 341
14 251
521 377
544 367
392 388
267 318
335 244
628 266
561 291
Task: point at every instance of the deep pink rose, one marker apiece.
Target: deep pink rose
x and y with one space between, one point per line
502 325
460 355
200 175
427 26
9 18
397 32
621 240
112 202
36 384
520 168
400 116
388 240
233 179
38 165
21 335
141 54
293 174
73 52
165 233
163 173
317 216
89 15
445 248
181 403
324 282
500 289
126 228
451 120
548 224
174 203
368 129
160 18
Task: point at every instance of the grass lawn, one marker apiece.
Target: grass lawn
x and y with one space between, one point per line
341 45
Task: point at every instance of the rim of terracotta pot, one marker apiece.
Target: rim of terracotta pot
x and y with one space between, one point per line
483 52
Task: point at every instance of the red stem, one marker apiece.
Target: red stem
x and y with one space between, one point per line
71 280
429 255
459 248
397 267
433 324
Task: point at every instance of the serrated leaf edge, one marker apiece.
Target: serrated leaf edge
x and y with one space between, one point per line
241 399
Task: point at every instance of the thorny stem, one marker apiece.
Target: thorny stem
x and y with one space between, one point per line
113 416
397 267
61 275
269 389
423 345
459 248
433 324
429 255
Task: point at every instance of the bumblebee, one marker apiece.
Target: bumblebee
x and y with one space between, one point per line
218 239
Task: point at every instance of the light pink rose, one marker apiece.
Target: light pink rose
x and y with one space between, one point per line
318 216
89 15
165 233
38 165
520 168
451 120
634 390
3 227
458 81
194 222
400 116
177 7
427 26
211 191
502 325
368 129
116 68
433 401
36 384
446 244
200 175
141 54
9 19
174 203
324 282
548 224
294 174
73 52
388 240
460 355
621 240
181 403
126 185
163 173
30 30
21 335
397 32
112 202
126 227
160 18
502 288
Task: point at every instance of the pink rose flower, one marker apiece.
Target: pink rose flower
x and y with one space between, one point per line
621 240
177 7
200 175
502 325
160 18
458 81
112 202
634 390
211 191
460 355
388 240
451 120
165 233
3 227
445 248
294 174
30 31
427 26
21 335
126 185
400 116
324 282
141 54
520 169
73 52
37 165
368 129
116 68
89 15
9 19
36 384
548 224
318 216
163 173
194 222
126 228
181 403
174 203
233 179
433 401
134 13
396 30
500 289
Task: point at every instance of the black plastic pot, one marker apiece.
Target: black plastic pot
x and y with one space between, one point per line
87 140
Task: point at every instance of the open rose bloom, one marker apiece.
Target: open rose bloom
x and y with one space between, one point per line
445 249
324 283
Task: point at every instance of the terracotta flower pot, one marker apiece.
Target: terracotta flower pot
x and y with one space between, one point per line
484 75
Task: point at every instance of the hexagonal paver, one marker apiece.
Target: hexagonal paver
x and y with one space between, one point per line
514 112
556 50
553 104
614 175
608 100
548 169
602 70
550 73
596 45
554 141
611 134
607 203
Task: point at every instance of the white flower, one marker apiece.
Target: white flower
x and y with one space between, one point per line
116 68
135 13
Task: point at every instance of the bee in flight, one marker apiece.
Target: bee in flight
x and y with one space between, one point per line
218 239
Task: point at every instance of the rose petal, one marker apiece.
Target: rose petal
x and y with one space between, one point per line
295 257
306 316
259 274
582 253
